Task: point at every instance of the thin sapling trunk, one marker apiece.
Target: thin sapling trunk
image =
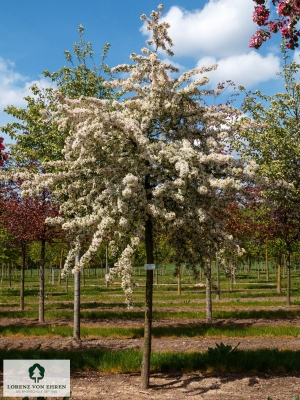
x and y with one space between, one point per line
145 373
42 283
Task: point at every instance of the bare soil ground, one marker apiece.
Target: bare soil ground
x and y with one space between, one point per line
98 386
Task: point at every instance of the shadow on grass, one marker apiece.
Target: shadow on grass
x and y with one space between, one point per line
125 314
134 315
240 361
183 330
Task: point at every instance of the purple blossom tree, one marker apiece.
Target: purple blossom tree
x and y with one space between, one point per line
288 12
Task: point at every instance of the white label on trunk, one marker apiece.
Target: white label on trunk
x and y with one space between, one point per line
149 266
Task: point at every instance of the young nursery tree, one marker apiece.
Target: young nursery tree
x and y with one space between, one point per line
24 218
272 140
157 155
40 141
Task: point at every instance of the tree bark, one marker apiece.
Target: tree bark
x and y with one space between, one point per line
83 277
145 373
60 265
76 329
179 279
218 281
267 265
9 274
208 293
42 283
279 273
288 275
234 269
106 266
22 277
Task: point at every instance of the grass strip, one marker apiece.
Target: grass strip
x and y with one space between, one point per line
128 314
240 361
202 330
167 304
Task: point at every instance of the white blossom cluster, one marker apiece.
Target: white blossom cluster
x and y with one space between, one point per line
159 153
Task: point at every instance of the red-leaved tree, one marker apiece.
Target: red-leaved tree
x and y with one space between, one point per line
24 218
3 154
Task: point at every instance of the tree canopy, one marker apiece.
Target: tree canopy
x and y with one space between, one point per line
160 153
40 140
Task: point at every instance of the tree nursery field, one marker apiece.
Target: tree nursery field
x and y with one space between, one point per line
249 351
136 167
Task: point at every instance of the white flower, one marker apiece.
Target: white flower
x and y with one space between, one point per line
202 190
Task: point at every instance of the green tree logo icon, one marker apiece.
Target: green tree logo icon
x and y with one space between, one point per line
36 372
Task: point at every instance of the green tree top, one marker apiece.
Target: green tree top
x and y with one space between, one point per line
271 135
81 80
36 140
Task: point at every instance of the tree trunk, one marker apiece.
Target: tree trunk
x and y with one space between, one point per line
106 267
218 281
179 279
279 273
9 274
22 277
52 275
267 266
50 272
208 293
145 373
288 274
76 329
60 265
230 278
234 269
83 277
42 283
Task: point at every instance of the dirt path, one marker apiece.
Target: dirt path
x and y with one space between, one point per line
97 386
92 385
158 344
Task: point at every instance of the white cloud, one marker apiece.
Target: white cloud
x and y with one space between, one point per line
296 56
14 86
222 28
245 69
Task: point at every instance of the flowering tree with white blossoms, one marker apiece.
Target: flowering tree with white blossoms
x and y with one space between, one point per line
156 156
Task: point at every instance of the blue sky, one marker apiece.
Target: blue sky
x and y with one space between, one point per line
35 33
